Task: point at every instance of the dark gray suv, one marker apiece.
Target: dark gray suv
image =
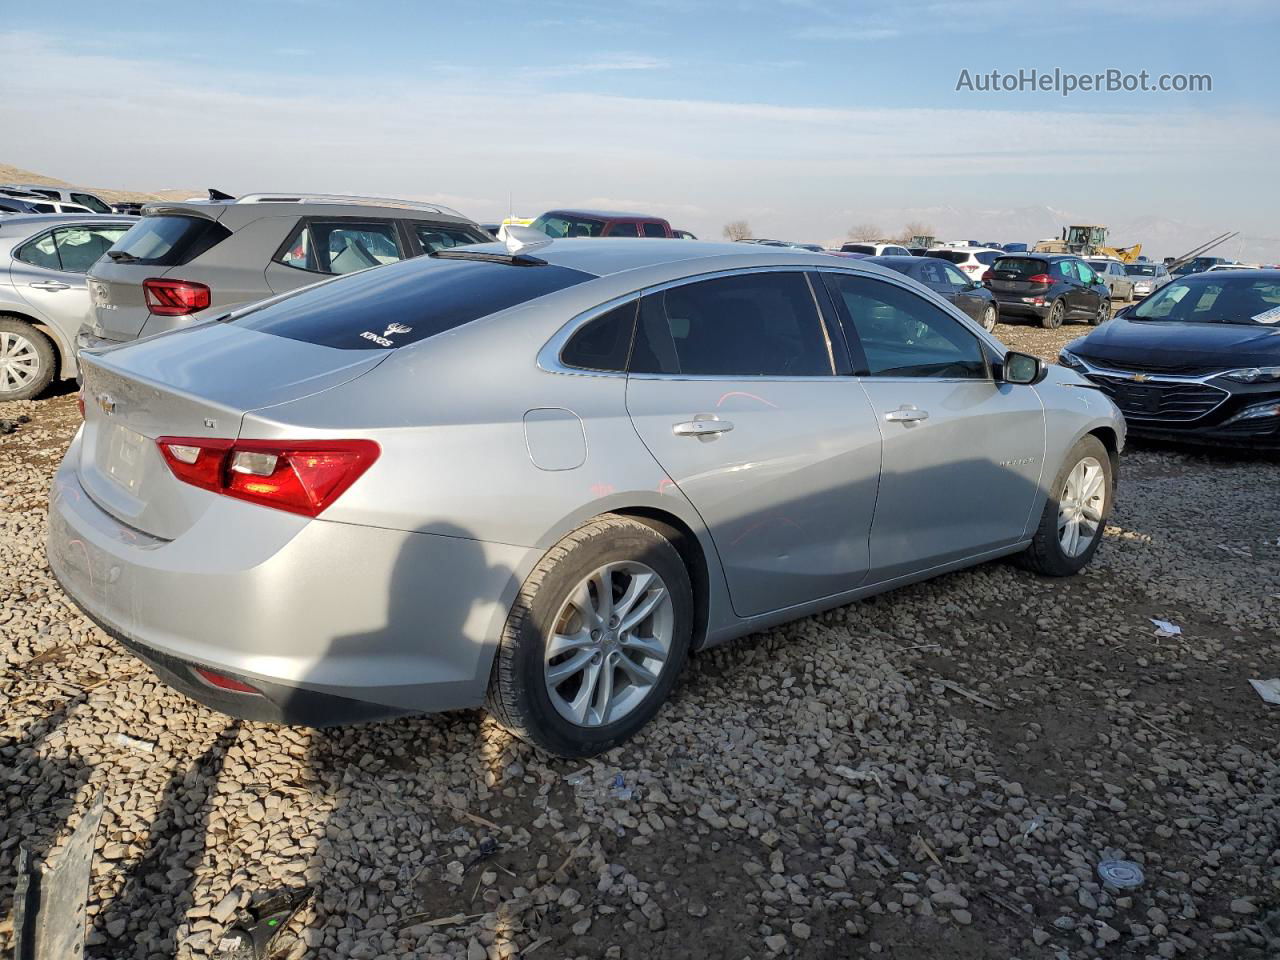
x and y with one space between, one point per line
1049 287
183 260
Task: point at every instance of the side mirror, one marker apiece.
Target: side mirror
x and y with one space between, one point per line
1023 368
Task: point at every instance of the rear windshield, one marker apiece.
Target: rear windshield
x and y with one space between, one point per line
405 302
168 240
1018 268
859 248
955 256
1140 269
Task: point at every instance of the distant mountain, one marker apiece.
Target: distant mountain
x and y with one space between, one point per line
12 174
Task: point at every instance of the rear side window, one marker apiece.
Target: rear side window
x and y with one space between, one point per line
752 325
1019 268
92 202
952 256
625 229
341 246
603 343
1066 268
405 302
70 249
168 240
654 230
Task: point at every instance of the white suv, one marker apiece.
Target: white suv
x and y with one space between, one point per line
875 249
974 261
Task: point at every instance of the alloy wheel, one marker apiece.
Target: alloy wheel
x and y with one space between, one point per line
1080 506
610 643
19 362
989 319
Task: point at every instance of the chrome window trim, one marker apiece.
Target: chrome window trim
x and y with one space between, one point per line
549 361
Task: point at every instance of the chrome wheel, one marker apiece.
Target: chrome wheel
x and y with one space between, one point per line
19 362
989 319
1104 312
1080 506
610 643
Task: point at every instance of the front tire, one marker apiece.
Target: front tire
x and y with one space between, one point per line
26 360
1103 314
595 641
989 317
1053 319
1075 512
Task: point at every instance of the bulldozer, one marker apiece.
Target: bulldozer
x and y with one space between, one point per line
1088 241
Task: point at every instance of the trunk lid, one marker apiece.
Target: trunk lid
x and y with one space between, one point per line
196 382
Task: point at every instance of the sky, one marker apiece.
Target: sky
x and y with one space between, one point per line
801 117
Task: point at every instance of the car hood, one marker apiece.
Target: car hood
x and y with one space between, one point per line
1139 340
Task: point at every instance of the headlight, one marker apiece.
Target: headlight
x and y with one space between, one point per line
1068 359
1253 374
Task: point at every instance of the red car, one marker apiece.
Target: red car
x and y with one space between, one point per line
601 223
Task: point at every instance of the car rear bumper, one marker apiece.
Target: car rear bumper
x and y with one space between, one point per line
1016 306
331 622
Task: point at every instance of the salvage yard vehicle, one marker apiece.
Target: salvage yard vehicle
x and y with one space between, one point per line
183 259
945 279
601 223
1147 277
90 201
43 297
1198 360
878 249
1114 275
537 475
1052 288
975 261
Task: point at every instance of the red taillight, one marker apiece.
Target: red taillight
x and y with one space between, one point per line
174 298
987 275
224 682
970 267
1040 278
301 476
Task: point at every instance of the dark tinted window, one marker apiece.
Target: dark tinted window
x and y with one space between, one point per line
168 240
405 302
753 325
41 252
1019 268
654 230
567 225
859 248
954 256
92 202
604 343
903 335
624 229
440 236
987 257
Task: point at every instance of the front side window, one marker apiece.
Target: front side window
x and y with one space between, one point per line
1085 272
903 335
603 343
441 236
747 325
341 246
90 201
954 276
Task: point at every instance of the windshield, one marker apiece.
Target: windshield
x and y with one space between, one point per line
567 225
1140 269
1219 299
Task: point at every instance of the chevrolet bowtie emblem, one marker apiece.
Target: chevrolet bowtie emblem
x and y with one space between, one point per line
1139 378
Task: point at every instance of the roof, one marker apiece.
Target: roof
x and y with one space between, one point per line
602 214
602 256
349 204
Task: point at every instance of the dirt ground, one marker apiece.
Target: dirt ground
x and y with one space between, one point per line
936 772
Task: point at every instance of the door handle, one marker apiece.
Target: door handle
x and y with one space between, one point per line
51 285
906 413
703 427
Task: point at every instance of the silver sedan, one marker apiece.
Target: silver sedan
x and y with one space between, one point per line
43 296
538 476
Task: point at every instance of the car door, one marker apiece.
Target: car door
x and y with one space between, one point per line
1073 295
1093 289
732 386
49 272
964 292
962 454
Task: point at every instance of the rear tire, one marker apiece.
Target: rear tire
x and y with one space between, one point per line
989 318
1082 491
27 360
1053 319
556 606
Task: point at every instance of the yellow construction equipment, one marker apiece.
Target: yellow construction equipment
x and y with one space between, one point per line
1089 240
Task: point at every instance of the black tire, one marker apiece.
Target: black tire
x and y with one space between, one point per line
989 318
1046 555
1103 314
1053 319
518 697
38 345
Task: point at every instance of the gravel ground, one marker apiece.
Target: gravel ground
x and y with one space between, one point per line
936 772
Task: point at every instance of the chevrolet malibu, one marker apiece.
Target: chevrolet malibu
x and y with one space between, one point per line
537 476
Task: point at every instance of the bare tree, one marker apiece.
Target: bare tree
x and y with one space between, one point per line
864 231
915 229
737 230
